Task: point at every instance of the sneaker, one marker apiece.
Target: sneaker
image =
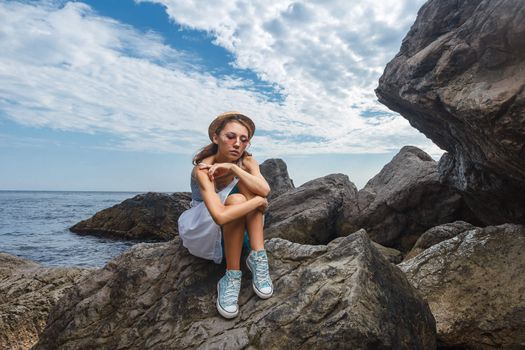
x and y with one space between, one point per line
257 262
228 289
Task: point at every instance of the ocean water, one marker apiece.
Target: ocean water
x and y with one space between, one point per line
34 225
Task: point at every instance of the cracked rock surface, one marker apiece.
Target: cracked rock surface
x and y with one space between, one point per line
474 285
27 292
158 296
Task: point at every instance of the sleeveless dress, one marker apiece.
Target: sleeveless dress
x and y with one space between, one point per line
199 233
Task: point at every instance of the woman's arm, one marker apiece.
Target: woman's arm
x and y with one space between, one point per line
252 178
223 214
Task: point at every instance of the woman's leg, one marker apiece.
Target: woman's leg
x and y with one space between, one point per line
257 260
254 221
233 233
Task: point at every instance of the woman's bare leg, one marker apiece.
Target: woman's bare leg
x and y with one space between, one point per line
254 221
234 234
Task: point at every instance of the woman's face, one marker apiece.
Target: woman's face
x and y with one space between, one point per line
232 140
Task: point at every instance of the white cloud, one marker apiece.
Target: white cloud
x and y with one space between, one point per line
71 69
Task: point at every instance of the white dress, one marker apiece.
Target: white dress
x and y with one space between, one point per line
199 233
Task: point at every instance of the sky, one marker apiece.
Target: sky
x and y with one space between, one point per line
117 95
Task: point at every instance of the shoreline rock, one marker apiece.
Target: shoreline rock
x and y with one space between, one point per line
145 216
28 291
157 296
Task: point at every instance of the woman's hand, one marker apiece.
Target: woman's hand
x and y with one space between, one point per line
217 169
264 204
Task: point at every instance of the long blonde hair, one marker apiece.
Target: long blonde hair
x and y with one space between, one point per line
212 148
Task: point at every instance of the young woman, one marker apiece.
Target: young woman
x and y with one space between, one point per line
228 198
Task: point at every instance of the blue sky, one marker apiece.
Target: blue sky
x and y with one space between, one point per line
117 95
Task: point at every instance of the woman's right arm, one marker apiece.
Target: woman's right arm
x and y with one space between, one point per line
223 214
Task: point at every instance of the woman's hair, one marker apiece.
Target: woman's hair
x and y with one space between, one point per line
212 148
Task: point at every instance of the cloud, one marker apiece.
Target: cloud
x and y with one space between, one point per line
65 67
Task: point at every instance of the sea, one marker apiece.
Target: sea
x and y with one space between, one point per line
35 225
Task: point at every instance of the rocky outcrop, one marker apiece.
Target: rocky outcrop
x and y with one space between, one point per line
309 214
146 216
157 296
474 285
27 292
459 78
438 234
404 200
275 172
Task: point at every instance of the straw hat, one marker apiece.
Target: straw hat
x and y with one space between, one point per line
218 120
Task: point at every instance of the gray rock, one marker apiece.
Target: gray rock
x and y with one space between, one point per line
474 285
146 216
390 254
438 234
27 292
404 200
309 214
459 78
157 296
275 172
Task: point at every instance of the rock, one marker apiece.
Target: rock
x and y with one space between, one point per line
157 296
438 234
309 214
27 292
404 200
275 172
145 216
474 285
390 254
459 78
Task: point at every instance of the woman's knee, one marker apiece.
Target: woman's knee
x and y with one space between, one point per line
235 198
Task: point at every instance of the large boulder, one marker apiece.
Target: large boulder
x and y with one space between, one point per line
474 285
404 200
27 292
459 78
146 216
157 296
309 214
275 172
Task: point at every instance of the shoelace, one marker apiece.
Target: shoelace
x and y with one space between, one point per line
231 291
261 270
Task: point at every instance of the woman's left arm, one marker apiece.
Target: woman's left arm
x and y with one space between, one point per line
252 177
